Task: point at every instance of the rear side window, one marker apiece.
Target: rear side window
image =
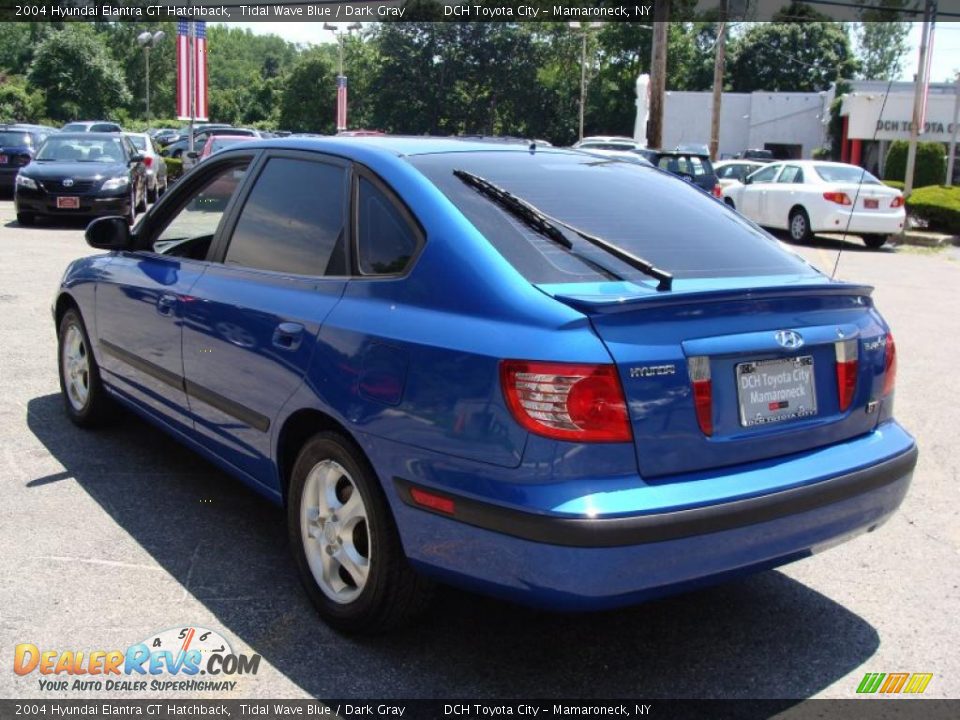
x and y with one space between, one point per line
654 215
293 220
385 240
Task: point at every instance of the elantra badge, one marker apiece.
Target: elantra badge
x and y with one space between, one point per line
788 339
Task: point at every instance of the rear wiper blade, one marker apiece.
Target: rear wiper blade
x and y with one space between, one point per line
550 227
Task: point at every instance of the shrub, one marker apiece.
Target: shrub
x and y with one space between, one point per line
930 167
894 184
174 168
938 205
821 153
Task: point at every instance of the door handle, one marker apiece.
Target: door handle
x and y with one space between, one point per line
166 304
288 335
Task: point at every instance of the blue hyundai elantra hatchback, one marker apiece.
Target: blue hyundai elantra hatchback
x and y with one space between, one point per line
562 379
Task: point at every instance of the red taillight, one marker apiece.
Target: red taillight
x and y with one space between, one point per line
897 202
148 161
840 198
432 501
583 403
699 370
717 191
889 366
847 362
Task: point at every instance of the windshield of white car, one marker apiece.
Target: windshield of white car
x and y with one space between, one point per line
845 174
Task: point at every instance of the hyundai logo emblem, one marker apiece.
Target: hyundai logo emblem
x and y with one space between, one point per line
68 183
788 339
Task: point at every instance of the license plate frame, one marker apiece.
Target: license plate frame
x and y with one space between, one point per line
788 395
68 202
871 203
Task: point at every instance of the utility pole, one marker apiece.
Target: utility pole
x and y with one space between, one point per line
658 73
718 62
919 99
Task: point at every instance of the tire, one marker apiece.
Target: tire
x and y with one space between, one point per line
152 195
729 202
799 226
86 402
26 219
351 564
132 212
161 191
142 205
874 242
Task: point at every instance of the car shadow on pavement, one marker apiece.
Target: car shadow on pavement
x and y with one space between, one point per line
52 223
849 243
767 636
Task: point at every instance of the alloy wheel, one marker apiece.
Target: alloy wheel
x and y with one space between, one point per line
76 368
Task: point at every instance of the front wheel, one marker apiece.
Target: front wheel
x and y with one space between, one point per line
86 402
800 226
874 241
26 219
345 543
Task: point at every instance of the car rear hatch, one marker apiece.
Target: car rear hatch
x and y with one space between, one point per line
750 372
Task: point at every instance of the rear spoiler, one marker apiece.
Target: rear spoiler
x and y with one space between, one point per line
592 304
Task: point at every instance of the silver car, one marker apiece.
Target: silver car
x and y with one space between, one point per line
154 162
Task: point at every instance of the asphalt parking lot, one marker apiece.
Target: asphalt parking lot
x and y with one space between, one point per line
108 537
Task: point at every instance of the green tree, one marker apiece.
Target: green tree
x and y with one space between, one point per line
791 57
18 103
882 40
18 40
78 75
309 96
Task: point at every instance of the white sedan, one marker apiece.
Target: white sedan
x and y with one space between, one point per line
808 196
732 172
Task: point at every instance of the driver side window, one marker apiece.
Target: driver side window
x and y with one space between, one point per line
190 229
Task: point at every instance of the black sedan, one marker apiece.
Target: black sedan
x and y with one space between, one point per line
82 174
18 144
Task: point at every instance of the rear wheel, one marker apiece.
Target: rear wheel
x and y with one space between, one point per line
800 225
142 205
26 218
153 194
874 241
86 402
345 543
729 202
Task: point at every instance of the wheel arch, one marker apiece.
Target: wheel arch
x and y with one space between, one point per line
65 301
299 427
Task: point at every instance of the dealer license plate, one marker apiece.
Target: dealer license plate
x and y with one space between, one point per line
776 390
871 203
68 203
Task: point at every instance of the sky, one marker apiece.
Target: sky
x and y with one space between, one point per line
944 65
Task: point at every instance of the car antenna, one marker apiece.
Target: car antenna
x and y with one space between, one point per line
836 264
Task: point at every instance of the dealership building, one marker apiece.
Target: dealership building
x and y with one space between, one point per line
792 124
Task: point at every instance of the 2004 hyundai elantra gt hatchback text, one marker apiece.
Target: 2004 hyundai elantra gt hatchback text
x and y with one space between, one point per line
561 379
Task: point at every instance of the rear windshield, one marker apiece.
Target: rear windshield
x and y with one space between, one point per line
687 164
10 137
649 213
845 174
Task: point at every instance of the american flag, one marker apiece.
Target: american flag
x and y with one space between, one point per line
341 102
195 66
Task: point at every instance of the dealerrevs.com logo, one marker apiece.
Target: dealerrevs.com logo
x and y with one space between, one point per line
185 659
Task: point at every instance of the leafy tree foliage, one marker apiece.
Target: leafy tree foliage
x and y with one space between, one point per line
79 77
309 95
793 57
882 40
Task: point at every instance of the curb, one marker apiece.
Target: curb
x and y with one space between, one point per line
925 239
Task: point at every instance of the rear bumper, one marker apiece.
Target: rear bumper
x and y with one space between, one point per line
582 563
863 222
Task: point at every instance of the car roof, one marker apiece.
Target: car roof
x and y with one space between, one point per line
87 135
400 146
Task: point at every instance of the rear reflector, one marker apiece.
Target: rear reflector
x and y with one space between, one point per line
699 370
897 202
847 362
431 501
889 366
582 403
840 198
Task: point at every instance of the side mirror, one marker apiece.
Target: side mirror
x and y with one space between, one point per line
192 154
747 180
109 233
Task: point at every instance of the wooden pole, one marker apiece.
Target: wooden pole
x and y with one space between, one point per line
719 59
658 73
